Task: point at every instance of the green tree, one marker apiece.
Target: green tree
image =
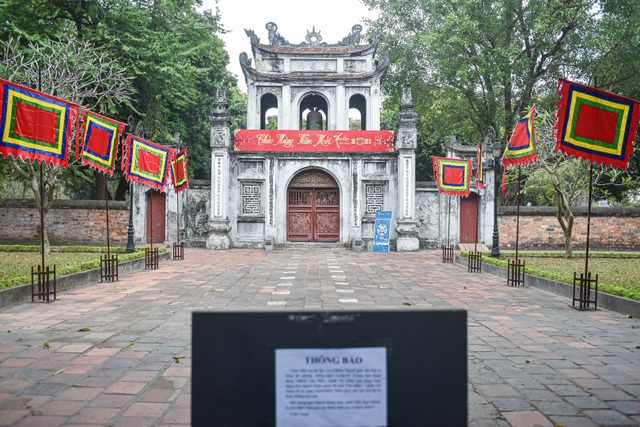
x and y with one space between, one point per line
169 48
473 64
70 69
563 182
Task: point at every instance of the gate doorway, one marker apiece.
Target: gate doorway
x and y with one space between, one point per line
156 213
313 208
469 218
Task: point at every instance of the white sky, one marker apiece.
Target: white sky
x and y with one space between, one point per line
332 18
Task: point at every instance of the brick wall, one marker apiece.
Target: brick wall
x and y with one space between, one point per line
611 228
69 222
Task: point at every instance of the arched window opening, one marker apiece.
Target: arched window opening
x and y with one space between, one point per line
272 119
358 103
355 119
268 108
317 106
322 118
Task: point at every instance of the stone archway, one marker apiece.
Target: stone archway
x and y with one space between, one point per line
313 208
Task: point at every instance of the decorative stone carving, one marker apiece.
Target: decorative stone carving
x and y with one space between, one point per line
313 179
353 38
274 36
245 61
406 97
252 35
313 38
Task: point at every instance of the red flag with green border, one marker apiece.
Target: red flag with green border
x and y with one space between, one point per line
146 162
452 175
100 139
594 125
35 126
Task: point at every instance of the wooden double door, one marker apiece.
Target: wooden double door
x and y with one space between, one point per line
313 208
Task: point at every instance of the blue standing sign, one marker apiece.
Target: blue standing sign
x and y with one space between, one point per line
381 231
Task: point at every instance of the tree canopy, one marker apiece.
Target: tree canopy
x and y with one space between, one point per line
168 50
474 64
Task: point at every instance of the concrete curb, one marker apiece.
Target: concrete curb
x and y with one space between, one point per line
610 302
22 293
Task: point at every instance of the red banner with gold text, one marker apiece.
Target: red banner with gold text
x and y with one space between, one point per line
348 141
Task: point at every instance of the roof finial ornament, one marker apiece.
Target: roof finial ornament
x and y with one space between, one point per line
314 38
274 37
353 38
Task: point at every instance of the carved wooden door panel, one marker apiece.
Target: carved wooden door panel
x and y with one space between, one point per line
314 215
326 215
300 217
156 207
469 218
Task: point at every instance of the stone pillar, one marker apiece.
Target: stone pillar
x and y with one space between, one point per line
218 237
406 143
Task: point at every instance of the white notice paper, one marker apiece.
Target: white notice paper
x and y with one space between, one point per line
331 387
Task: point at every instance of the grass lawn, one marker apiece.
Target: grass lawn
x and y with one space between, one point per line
16 261
618 273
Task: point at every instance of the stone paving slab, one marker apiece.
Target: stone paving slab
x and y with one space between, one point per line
119 354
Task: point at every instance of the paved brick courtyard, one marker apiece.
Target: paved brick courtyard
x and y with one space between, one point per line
118 354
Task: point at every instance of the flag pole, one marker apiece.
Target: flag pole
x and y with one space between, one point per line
449 221
106 201
475 245
518 212
586 257
42 231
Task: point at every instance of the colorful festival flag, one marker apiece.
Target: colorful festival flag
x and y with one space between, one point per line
452 175
100 139
521 148
179 171
479 171
146 162
594 125
34 125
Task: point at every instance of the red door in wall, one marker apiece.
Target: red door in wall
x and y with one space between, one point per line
313 208
469 218
156 206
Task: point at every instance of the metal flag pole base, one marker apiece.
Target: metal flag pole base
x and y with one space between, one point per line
475 262
178 251
109 268
587 292
515 272
151 258
447 253
43 283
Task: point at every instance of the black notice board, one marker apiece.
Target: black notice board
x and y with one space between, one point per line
233 371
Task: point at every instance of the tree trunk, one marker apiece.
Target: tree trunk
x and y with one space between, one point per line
101 181
565 216
568 244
